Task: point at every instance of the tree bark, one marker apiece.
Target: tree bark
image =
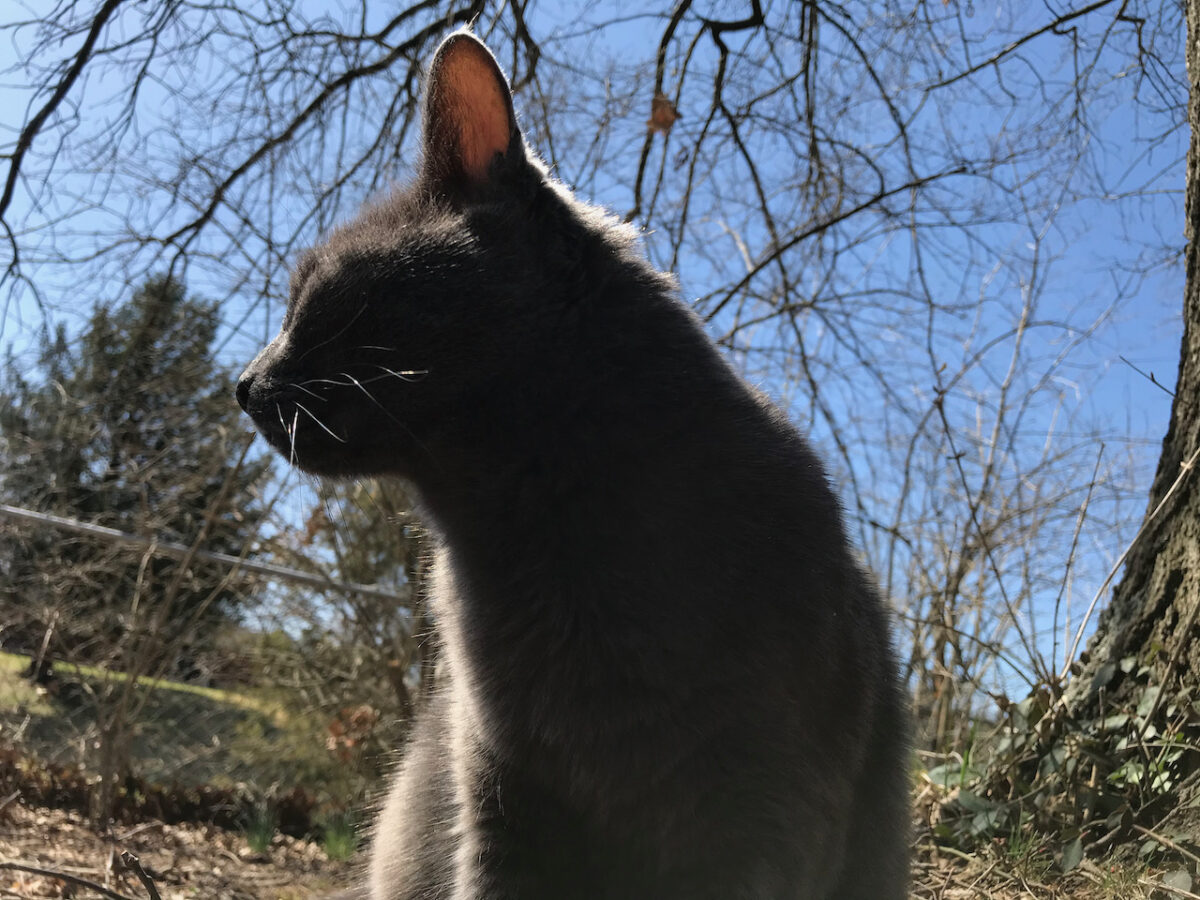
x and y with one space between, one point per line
1153 613
1135 699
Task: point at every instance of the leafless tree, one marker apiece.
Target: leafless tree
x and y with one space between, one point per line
882 210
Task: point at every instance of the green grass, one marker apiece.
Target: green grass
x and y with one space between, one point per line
17 694
185 733
260 829
257 739
339 837
15 663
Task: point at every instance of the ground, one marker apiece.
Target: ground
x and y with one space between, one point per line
185 861
191 861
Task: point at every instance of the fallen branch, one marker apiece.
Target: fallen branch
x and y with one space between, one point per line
70 879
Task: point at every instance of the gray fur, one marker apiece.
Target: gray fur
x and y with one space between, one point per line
665 675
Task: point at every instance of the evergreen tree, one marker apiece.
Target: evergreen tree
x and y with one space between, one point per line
131 427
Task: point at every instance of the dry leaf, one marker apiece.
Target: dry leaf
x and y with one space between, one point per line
662 114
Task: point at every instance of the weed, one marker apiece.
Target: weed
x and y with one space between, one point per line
1122 881
260 828
340 836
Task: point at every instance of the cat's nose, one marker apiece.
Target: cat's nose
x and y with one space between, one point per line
242 392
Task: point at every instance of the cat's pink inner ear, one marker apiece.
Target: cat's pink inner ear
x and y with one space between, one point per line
471 105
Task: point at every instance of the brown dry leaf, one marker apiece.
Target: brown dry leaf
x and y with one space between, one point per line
662 114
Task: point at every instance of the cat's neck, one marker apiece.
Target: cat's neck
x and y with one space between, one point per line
639 429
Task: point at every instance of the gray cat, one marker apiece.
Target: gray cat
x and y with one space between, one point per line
664 674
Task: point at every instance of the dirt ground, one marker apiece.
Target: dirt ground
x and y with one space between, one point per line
195 861
184 861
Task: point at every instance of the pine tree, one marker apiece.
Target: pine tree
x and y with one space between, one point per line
131 426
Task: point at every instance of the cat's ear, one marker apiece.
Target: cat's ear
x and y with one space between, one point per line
469 119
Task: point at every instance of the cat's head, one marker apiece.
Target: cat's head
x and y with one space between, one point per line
424 309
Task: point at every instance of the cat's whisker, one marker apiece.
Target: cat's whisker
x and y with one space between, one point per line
362 309
358 384
409 375
313 394
388 413
329 381
292 433
320 424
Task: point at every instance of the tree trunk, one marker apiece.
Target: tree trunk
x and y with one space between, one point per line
1153 611
1135 697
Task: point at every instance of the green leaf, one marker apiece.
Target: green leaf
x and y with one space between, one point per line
986 822
1180 880
1121 818
1072 855
972 802
952 774
1103 676
1149 698
1052 761
1030 710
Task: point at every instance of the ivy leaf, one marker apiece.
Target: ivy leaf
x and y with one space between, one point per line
1072 855
952 775
1178 880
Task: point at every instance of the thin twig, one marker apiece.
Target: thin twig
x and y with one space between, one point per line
34 126
1170 889
134 865
1062 588
1184 470
1149 376
825 225
1167 842
1024 39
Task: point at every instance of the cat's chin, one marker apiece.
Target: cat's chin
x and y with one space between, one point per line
335 462
331 465
312 459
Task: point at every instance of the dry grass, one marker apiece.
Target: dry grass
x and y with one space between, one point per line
942 875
